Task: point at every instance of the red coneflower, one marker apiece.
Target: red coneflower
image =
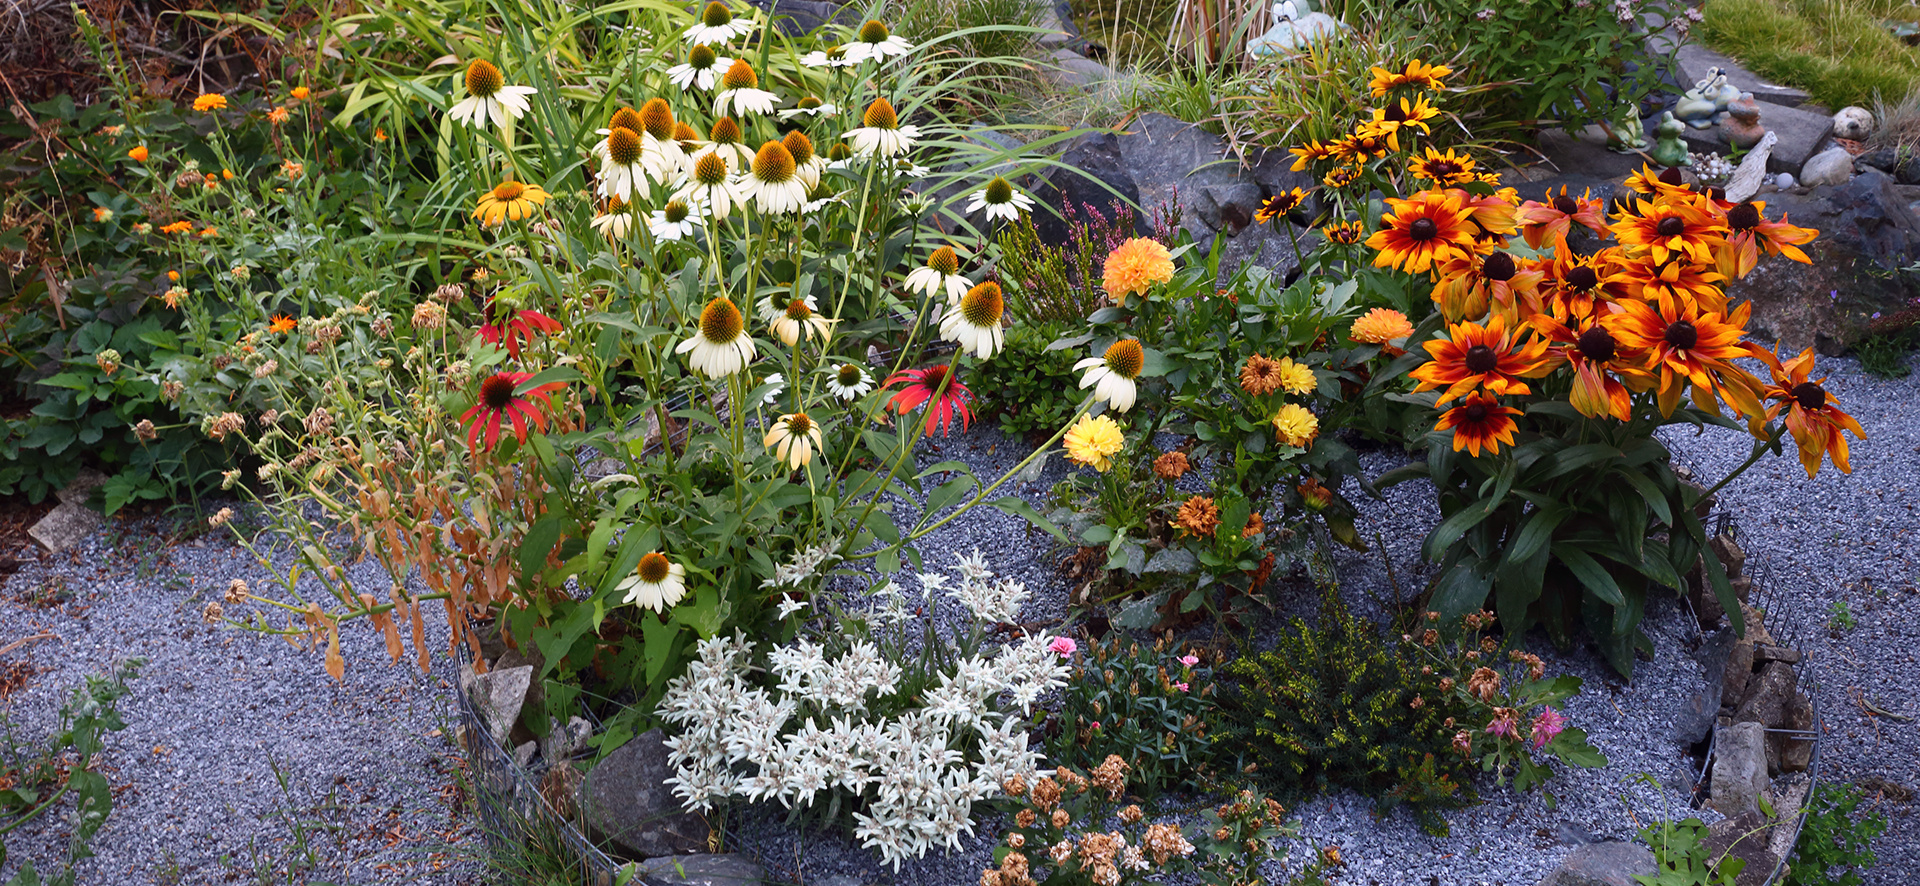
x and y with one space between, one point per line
505 395
924 385
518 327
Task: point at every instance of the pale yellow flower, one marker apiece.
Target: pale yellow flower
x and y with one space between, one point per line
1296 425
1094 441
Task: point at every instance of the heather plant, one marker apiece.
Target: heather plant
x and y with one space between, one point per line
1142 703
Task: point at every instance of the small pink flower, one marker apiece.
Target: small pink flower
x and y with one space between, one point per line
1180 686
1503 725
1064 646
1546 726
1189 660
1096 725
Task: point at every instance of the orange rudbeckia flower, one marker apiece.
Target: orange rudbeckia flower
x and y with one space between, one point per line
1750 232
1475 356
1674 281
1813 415
1421 230
1479 422
1415 73
1471 284
1679 224
1556 217
1574 286
1596 358
1442 169
1687 344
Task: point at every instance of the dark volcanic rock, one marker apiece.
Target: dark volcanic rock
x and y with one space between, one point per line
1093 173
626 800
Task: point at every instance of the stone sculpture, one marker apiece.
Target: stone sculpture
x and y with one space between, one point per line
1702 105
1294 30
1670 150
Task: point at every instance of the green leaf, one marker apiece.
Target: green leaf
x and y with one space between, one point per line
1590 573
1143 613
1461 589
535 545
949 493
558 374
1019 507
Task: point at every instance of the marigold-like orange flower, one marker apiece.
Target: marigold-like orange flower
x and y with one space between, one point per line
1679 224
1134 267
1414 74
138 153
300 93
1171 465
1688 345
179 227
1479 422
282 324
279 115
1419 231
1475 356
1198 517
206 233
1552 220
1380 326
1813 415
1596 359
1443 170
1260 376
210 101
1750 232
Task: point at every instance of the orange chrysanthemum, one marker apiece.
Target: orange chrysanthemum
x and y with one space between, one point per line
1479 422
1136 266
282 324
210 101
1814 417
1475 356
1380 325
1420 231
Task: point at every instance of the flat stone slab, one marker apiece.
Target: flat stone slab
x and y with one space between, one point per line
1802 134
725 869
81 487
1073 69
1694 60
65 525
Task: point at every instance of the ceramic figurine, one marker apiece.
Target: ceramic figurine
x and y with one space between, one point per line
1700 105
1293 30
1742 127
1670 150
1627 136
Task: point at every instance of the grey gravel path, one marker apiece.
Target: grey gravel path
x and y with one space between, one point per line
369 770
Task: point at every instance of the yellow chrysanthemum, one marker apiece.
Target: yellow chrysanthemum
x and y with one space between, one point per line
210 101
1094 441
1295 378
1135 266
1296 425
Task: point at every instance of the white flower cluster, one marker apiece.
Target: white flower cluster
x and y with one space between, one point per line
990 600
919 783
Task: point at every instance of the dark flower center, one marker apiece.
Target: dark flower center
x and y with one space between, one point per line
1423 229
1481 359
1744 217
1582 278
1565 205
1682 335
798 425
934 377
1810 395
1670 227
497 391
1396 114
1596 344
1671 176
1476 412
848 375
1498 266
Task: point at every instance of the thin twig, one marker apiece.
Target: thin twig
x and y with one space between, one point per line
25 640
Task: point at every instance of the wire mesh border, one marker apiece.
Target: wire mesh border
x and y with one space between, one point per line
508 799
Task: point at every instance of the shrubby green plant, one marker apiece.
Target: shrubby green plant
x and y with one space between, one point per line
1028 388
37 779
1142 703
1836 840
1682 856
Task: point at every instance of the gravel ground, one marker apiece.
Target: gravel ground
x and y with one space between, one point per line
218 718
216 712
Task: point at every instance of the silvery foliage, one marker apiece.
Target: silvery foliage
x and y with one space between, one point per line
824 726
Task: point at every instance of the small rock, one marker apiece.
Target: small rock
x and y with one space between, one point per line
626 800
1732 557
1885 160
1612 863
725 869
1739 768
81 487
1075 70
1739 672
499 695
1771 652
1853 122
1784 182
523 755
565 741
1794 752
1766 700
65 526
1832 166
1228 206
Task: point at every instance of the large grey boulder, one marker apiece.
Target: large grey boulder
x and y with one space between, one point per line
626 800
1739 768
1092 173
1602 864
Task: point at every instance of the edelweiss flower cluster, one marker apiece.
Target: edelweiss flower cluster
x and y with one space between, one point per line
817 731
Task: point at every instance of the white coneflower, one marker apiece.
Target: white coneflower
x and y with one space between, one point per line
848 381
941 273
721 346
882 133
725 139
974 323
616 221
701 70
489 98
620 169
740 89
713 186
1112 376
656 583
1000 200
776 383
796 318
675 221
793 439
830 57
625 118
811 106
818 199
717 24
876 43
660 152
773 182
806 164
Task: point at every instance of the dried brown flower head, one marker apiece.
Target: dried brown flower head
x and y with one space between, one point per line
1111 776
144 430
1483 683
1171 465
1260 376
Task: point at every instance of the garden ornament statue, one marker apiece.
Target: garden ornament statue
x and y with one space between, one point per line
1741 126
1629 135
1293 29
1670 150
1702 104
1745 181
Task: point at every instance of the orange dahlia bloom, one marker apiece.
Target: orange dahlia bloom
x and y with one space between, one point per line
1750 232
1479 422
1687 344
1136 266
1596 358
1422 230
1475 356
1813 415
1380 325
1678 224
1471 284
1556 217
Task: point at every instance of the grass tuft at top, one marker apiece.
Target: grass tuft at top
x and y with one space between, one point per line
1842 52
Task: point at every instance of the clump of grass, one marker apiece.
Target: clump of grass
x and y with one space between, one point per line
1840 51
1899 124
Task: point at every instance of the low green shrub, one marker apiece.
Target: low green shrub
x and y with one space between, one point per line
1836 842
1029 388
1145 704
